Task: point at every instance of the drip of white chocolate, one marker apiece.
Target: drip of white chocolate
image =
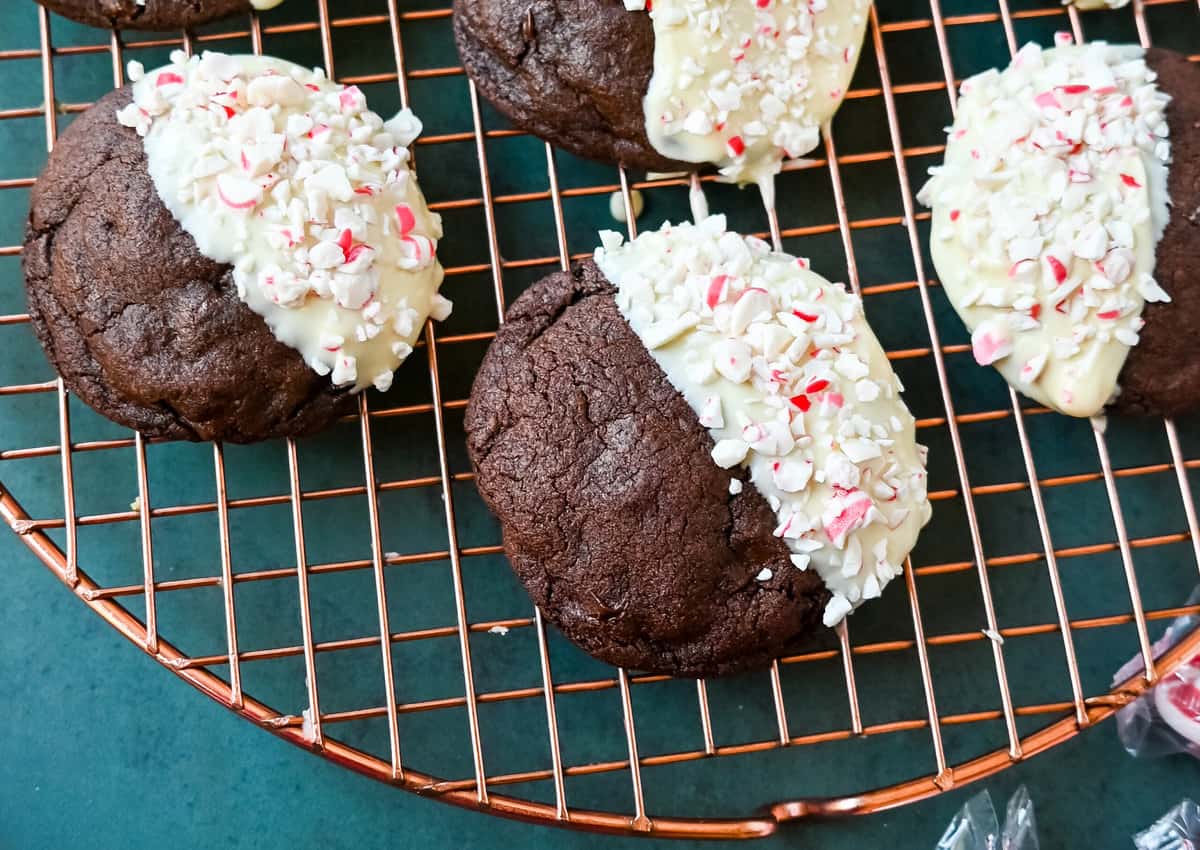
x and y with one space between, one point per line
1046 217
745 84
782 369
288 178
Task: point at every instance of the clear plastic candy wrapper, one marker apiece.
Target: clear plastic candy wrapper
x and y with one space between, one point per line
1167 719
976 827
1178 829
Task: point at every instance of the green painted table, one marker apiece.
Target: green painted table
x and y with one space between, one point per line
106 749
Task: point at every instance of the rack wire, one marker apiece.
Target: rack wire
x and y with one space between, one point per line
551 675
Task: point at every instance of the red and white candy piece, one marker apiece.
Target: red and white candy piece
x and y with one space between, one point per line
238 193
991 341
731 358
1177 699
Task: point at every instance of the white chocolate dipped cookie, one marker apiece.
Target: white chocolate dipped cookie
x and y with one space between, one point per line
1053 228
697 450
784 373
280 206
289 179
739 84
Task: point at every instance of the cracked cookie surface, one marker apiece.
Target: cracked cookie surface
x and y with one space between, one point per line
615 517
573 72
142 326
154 15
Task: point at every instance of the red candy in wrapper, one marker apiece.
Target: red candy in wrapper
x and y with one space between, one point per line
1166 720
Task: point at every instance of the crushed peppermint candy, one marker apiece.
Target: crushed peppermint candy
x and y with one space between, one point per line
1047 213
290 179
746 84
782 370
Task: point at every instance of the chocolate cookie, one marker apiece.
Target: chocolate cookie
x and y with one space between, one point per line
674 89
155 15
1162 373
570 71
615 517
139 323
229 248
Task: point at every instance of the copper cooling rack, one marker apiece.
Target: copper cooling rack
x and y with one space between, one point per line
836 682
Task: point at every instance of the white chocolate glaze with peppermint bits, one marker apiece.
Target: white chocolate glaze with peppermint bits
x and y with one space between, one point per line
288 178
1047 213
746 84
783 371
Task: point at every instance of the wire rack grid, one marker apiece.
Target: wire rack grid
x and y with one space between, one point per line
1019 644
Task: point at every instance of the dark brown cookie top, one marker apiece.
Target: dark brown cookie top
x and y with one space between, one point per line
139 323
1162 372
148 15
573 72
615 517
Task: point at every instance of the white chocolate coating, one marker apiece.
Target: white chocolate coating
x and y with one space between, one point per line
1047 213
288 178
783 371
747 83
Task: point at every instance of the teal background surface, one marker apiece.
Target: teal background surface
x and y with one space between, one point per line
106 749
